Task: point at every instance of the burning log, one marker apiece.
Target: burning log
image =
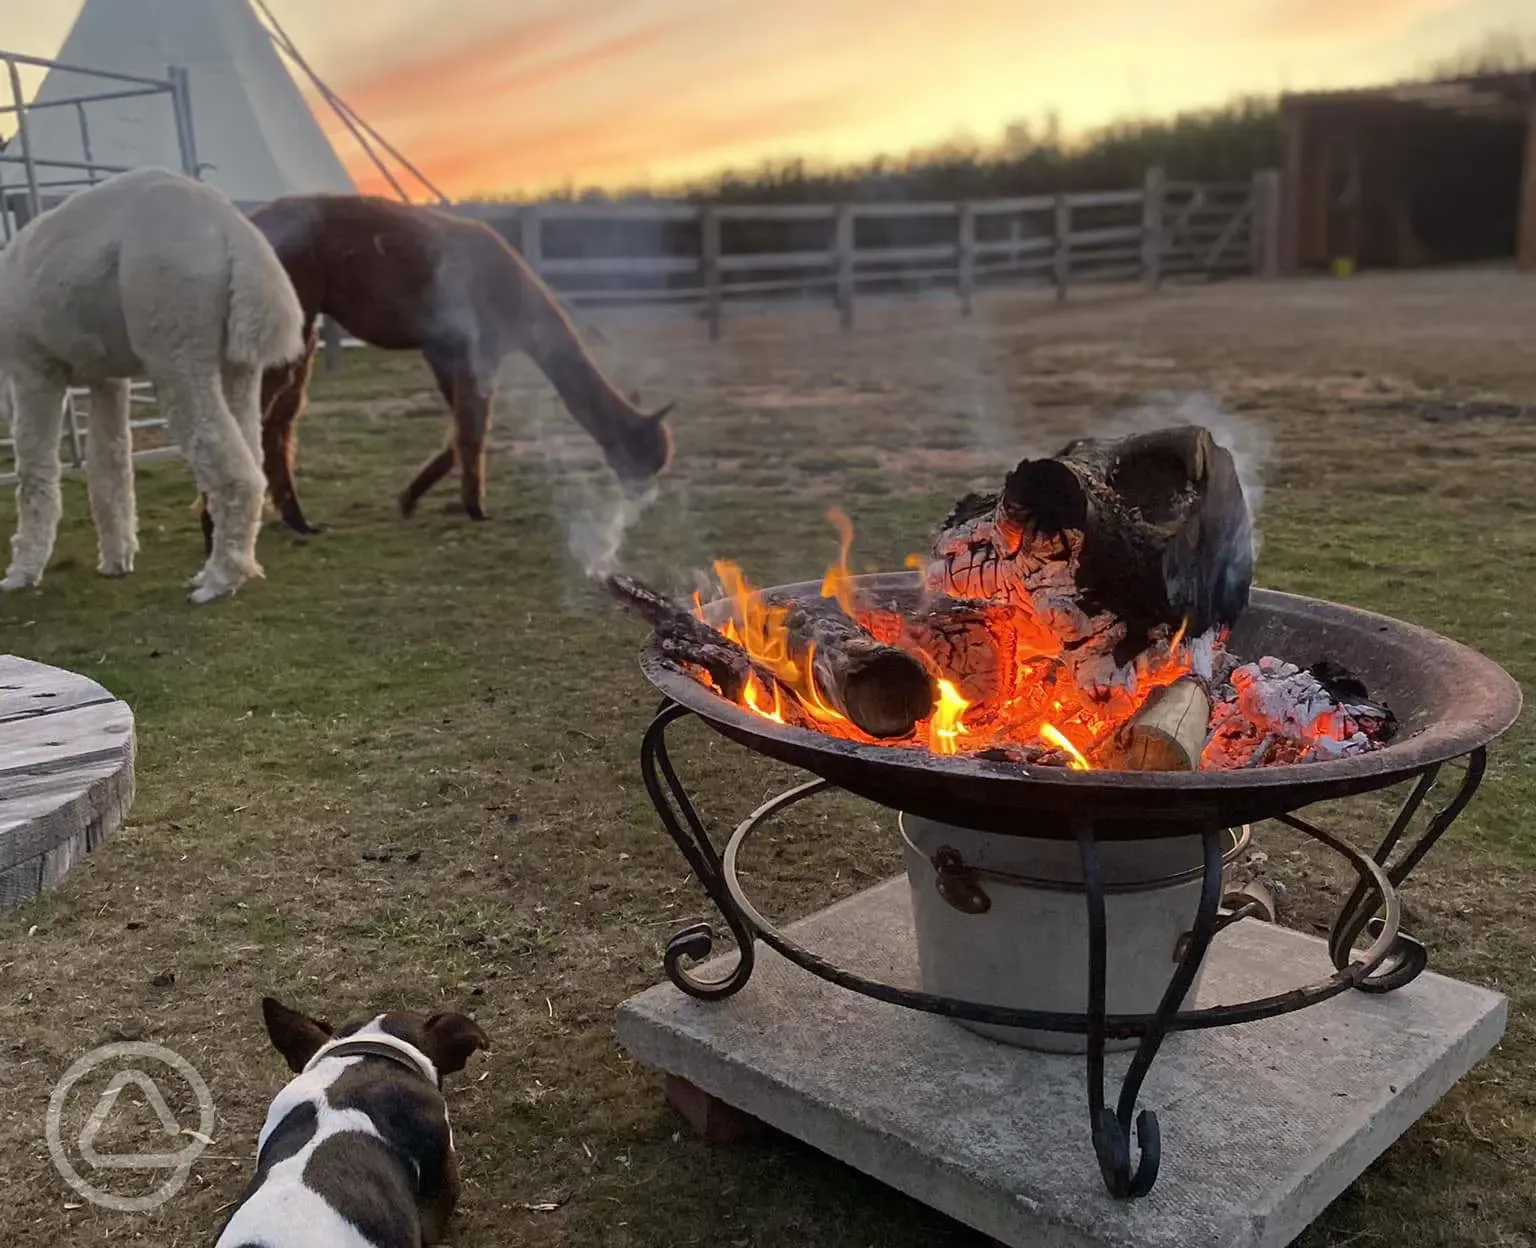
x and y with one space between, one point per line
978 645
882 690
1168 733
1107 542
684 638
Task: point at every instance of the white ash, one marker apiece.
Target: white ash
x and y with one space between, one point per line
1271 711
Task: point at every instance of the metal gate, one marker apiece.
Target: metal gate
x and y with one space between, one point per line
46 181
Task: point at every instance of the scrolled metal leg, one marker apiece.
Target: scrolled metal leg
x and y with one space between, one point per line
1409 958
695 943
1112 1128
1109 1141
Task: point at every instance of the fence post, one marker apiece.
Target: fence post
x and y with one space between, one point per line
714 296
1264 224
1152 229
842 261
530 236
1062 260
330 332
965 258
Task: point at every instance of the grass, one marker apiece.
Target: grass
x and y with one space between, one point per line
456 689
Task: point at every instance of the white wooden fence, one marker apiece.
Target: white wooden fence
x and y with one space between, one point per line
677 259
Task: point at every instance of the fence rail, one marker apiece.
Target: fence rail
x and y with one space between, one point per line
708 261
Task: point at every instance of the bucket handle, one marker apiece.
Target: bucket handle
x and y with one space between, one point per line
960 884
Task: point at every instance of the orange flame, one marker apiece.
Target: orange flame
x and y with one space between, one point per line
1054 735
1173 646
753 697
1035 698
944 726
756 626
838 582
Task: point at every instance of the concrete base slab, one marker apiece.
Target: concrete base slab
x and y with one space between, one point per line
1262 1125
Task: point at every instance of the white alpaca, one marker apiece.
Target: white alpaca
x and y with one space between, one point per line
149 273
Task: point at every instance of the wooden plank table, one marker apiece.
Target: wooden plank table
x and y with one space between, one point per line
66 773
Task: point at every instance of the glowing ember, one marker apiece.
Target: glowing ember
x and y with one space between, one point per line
1007 682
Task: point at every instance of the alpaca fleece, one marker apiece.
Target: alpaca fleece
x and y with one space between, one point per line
148 273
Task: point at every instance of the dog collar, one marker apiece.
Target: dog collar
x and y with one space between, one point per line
374 1046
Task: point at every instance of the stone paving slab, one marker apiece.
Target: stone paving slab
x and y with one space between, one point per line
1262 1125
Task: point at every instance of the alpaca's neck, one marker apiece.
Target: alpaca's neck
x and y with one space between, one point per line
551 341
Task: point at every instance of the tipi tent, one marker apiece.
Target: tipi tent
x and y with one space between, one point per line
255 137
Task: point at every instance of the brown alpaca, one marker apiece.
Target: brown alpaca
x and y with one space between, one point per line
407 278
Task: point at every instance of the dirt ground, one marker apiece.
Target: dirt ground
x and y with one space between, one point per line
401 771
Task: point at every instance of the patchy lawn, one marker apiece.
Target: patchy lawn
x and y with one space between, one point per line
401 770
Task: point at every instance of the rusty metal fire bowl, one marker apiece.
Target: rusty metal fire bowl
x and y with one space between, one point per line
1450 701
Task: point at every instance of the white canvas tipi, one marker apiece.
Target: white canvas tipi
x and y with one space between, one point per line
255 137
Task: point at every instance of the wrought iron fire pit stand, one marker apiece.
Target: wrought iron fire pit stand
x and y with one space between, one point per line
1392 960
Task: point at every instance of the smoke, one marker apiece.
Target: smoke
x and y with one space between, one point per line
1249 442
593 511
595 532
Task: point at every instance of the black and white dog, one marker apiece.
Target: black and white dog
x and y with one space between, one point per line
356 1151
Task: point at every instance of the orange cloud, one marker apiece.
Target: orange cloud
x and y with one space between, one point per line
395 95
590 94
469 64
614 147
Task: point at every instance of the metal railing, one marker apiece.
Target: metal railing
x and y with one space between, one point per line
48 178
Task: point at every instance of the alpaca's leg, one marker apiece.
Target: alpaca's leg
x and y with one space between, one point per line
109 477
37 424
447 371
433 471
472 420
284 392
242 395
227 471
279 399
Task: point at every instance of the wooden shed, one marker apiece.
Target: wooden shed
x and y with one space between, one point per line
1415 174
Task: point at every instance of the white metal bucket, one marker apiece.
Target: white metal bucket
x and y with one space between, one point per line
1027 948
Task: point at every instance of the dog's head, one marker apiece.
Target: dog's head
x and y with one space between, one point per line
446 1040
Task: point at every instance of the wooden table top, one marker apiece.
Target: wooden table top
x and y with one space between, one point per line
66 773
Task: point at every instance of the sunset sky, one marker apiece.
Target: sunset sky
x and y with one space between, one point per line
506 95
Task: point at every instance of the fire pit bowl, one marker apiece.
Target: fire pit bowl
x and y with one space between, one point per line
1450 702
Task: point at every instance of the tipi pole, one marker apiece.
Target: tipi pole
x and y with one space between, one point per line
181 103
34 199
338 103
349 116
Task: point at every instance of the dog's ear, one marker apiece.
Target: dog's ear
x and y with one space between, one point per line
296 1036
450 1039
